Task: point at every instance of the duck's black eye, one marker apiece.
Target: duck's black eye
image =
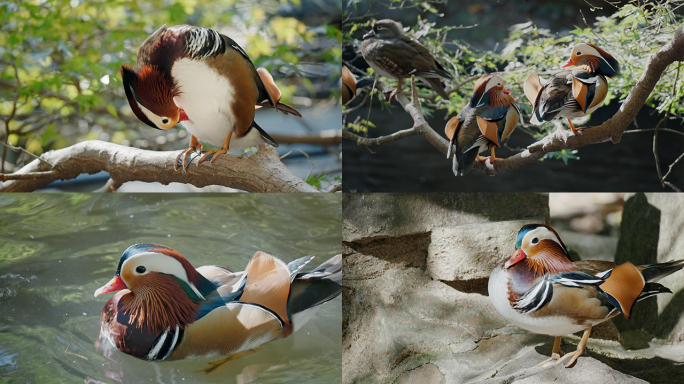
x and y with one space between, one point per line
535 240
165 120
579 53
141 269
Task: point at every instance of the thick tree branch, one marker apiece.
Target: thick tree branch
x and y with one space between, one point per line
260 172
611 130
327 137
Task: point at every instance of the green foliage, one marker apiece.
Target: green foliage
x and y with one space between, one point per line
60 60
361 125
632 34
317 180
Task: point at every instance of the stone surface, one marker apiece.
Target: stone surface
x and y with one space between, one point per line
670 323
587 370
471 251
369 216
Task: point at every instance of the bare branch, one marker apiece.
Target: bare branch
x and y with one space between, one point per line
360 140
260 172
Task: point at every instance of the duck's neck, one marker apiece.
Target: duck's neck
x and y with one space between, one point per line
500 99
589 64
159 305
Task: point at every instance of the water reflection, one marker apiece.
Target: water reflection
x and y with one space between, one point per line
56 250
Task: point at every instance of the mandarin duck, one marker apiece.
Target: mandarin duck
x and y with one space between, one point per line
572 93
165 309
351 84
540 289
485 122
206 81
392 54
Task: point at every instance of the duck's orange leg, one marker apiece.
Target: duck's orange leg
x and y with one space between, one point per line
573 127
556 352
194 145
580 349
214 366
217 152
393 92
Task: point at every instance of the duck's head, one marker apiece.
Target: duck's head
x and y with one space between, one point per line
594 58
385 29
151 96
542 249
146 268
489 90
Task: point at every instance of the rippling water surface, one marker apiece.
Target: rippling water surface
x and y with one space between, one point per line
57 249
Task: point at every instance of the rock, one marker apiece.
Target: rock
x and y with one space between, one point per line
590 247
468 252
369 216
425 374
670 320
523 370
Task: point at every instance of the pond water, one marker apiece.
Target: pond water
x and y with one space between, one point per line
57 249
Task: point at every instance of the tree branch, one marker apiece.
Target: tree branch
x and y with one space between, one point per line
610 130
260 172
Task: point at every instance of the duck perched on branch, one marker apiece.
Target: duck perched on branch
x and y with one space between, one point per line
393 55
572 93
205 80
488 119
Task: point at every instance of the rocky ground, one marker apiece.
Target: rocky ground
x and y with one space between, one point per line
416 310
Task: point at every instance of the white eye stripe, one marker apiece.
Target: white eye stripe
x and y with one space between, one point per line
159 262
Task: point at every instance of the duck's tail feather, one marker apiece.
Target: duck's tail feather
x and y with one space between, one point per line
311 289
655 272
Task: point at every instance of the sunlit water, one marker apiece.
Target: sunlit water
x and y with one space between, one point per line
56 250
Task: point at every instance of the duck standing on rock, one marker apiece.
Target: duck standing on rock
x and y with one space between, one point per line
572 93
488 119
540 289
393 55
205 80
165 309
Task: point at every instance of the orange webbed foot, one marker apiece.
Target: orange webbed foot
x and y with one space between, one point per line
214 366
194 146
214 153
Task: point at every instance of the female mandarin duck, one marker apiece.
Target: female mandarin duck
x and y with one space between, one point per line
204 79
166 309
392 54
488 119
572 93
541 290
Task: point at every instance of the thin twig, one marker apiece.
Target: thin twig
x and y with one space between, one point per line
20 149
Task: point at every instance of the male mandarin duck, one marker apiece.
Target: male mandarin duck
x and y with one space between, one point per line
392 54
572 93
540 289
205 80
166 309
351 84
488 119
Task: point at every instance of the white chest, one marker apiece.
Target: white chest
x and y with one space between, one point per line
550 325
205 97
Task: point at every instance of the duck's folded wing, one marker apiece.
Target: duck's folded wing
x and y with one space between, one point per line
229 285
228 329
267 284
